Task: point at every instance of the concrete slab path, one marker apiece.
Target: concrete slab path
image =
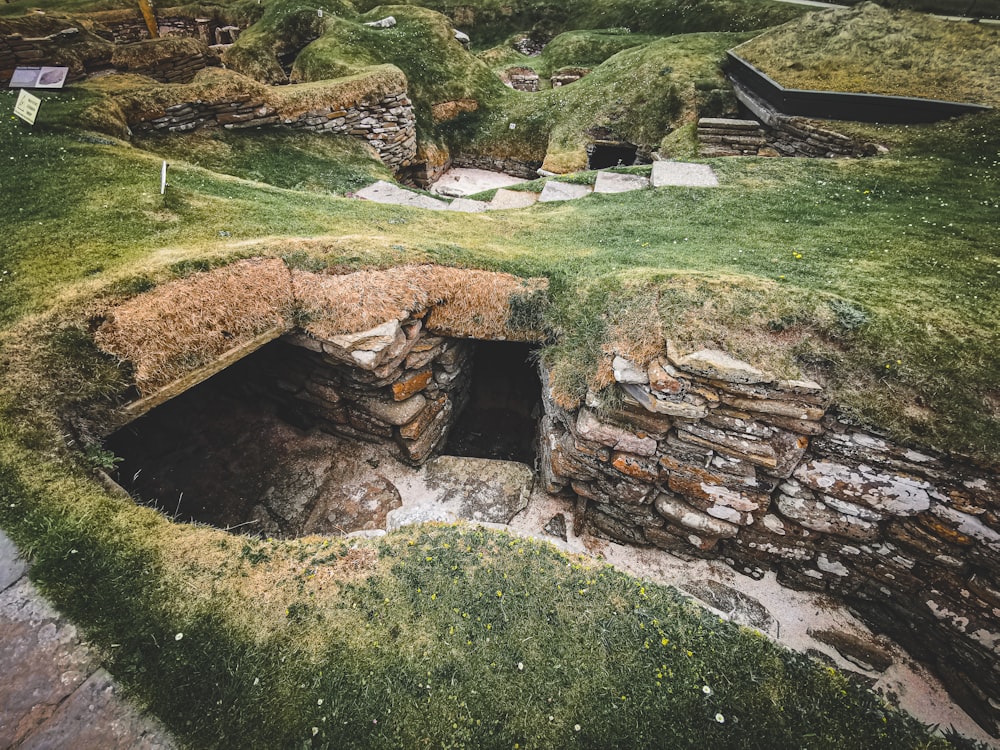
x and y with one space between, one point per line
53 693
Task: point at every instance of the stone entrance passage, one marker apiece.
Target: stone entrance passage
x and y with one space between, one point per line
500 421
604 154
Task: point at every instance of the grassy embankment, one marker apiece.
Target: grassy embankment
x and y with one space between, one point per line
870 50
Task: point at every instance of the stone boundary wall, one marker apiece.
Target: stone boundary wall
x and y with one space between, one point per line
785 136
711 457
180 69
394 384
127 28
387 124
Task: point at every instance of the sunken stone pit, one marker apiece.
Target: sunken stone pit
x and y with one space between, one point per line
701 455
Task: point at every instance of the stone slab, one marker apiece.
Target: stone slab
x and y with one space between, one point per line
41 662
416 514
462 181
12 567
683 174
481 489
386 192
562 191
505 199
734 604
465 205
612 182
96 716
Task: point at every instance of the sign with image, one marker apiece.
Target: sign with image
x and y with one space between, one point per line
26 107
38 77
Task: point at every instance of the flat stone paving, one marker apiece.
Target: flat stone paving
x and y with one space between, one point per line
612 182
506 199
387 192
562 191
468 206
682 174
53 694
462 181
665 174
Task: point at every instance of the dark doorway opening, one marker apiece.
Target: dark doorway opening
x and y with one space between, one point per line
500 420
604 154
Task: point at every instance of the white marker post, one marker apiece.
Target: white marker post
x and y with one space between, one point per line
26 107
163 179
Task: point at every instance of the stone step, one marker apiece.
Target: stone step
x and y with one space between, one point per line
683 174
563 191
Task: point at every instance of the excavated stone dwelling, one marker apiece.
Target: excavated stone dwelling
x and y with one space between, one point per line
706 455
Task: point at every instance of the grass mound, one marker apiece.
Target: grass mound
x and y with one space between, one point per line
440 635
327 164
654 91
871 50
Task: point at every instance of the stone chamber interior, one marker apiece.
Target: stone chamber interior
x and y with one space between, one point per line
234 452
611 154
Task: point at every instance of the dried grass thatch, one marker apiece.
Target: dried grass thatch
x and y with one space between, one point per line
143 100
462 303
185 324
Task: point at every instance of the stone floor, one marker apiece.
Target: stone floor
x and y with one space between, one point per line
53 692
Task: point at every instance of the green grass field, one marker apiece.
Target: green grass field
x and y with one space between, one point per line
880 277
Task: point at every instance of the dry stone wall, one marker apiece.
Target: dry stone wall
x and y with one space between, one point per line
785 136
387 124
709 456
168 61
395 383
17 50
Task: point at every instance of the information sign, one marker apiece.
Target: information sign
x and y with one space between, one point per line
26 107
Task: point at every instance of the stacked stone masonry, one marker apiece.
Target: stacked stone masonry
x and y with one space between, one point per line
134 29
527 170
566 76
393 384
521 79
786 136
387 124
17 50
711 457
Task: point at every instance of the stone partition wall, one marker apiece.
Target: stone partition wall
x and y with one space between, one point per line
393 384
706 455
387 124
786 136
527 170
